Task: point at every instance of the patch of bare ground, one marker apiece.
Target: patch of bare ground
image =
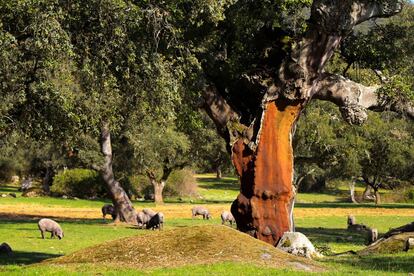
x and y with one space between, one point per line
187 246
184 211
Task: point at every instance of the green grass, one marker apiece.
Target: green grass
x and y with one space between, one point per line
212 189
328 233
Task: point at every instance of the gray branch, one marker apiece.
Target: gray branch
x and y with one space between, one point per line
355 99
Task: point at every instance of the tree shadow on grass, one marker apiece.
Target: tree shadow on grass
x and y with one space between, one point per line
402 262
322 236
25 258
218 184
10 218
352 205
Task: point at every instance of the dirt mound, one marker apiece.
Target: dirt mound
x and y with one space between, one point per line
185 246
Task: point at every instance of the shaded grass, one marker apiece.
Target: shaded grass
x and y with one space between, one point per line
26 258
219 269
385 264
331 231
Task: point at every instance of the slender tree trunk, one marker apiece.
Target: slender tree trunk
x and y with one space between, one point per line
218 172
47 180
291 207
123 206
352 192
158 189
377 196
262 207
159 184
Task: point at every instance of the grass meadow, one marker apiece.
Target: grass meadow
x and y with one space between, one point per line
321 217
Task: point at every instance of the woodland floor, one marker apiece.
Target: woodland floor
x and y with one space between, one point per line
322 217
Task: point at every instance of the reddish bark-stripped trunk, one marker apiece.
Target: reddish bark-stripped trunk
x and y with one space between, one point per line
124 211
262 207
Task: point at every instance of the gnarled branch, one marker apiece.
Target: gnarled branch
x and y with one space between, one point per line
354 99
218 109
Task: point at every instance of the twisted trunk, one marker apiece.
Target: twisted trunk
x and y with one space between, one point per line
124 211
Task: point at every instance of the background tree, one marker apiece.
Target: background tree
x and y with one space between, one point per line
157 153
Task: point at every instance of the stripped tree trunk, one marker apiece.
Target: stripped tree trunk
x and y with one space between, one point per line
262 207
124 210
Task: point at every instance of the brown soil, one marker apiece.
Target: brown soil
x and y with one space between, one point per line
184 211
187 246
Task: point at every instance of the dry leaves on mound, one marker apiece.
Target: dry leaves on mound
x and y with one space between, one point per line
185 246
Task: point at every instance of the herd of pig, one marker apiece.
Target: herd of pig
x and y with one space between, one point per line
146 218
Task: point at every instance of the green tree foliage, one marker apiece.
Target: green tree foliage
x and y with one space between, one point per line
382 149
79 183
34 69
387 47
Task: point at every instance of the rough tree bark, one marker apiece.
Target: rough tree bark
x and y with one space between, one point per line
261 146
123 206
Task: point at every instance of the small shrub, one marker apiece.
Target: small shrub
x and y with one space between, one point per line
8 168
410 195
182 183
179 183
80 183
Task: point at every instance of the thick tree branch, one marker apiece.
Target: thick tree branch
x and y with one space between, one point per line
354 98
218 109
340 16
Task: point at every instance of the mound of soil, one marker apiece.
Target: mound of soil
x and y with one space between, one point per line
185 246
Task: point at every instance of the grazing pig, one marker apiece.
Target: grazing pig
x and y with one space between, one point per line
227 216
149 212
108 209
202 211
142 219
48 225
6 249
157 221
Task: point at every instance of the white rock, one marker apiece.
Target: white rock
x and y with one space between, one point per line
297 244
